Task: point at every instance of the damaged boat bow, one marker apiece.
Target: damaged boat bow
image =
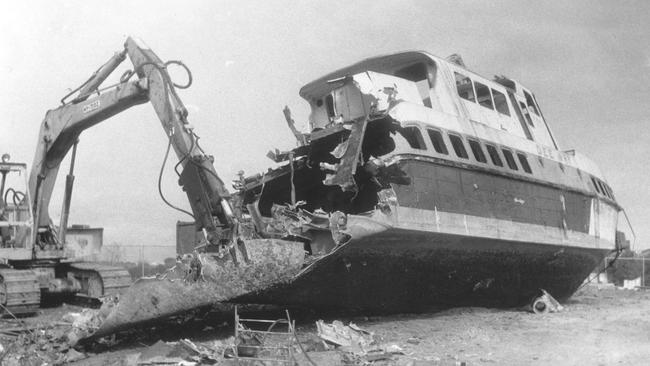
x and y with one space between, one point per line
420 184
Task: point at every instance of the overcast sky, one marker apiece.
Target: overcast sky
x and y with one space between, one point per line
588 62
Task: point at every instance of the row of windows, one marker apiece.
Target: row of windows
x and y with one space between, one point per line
477 92
414 137
602 188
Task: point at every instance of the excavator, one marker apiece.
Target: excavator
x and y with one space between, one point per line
34 260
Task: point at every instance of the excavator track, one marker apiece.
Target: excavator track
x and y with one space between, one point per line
98 280
20 292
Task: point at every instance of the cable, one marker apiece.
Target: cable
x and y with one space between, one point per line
162 168
83 84
16 198
618 253
187 69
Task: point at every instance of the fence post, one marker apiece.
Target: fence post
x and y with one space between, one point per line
142 257
643 272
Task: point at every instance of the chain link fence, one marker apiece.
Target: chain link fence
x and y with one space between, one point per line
139 260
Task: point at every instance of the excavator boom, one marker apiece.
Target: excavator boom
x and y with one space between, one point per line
61 128
39 260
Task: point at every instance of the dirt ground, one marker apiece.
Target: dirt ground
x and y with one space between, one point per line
600 325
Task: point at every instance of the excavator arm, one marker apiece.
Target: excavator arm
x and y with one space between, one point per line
61 128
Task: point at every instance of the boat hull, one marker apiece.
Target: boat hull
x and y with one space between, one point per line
400 270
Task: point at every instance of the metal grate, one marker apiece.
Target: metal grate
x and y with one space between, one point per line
271 345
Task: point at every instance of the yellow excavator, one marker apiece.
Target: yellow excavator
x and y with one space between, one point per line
34 260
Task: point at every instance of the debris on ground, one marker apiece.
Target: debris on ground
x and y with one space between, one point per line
545 304
413 340
183 352
348 337
264 340
38 345
359 346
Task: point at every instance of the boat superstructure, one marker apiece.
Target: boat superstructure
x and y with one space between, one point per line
422 183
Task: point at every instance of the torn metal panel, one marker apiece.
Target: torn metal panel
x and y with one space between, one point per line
272 262
349 161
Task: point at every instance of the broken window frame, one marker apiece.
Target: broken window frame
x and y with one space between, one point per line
458 145
465 80
438 142
487 101
421 144
477 151
423 85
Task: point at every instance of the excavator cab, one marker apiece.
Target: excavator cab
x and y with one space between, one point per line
16 220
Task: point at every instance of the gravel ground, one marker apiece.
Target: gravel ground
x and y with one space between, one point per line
600 325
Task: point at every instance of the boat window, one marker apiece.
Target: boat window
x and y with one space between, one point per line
524 163
494 155
464 87
510 159
483 95
437 141
329 104
593 181
530 102
414 137
418 74
479 155
500 102
459 147
609 189
602 189
524 110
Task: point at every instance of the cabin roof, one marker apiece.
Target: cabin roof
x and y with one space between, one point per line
320 86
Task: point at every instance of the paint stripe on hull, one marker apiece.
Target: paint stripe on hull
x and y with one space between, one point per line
485 227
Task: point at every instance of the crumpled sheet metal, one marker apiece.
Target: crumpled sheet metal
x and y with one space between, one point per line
272 262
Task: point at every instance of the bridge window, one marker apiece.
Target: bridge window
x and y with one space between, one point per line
602 189
524 163
609 189
479 155
524 111
464 87
437 141
510 159
483 95
418 74
494 155
500 102
459 147
414 137
593 181
531 103
329 104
